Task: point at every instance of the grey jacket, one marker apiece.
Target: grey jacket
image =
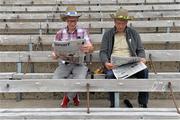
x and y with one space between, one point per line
133 40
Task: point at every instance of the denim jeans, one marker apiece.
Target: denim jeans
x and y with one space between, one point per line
142 96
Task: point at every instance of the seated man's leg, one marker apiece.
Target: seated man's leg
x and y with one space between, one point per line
143 96
110 75
79 72
62 72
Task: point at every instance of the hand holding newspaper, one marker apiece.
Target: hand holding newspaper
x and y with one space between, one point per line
70 49
126 66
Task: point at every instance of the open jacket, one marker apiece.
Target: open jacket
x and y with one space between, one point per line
133 40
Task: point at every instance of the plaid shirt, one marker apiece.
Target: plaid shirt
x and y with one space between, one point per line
79 33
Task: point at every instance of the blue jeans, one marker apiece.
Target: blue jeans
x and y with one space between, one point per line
142 96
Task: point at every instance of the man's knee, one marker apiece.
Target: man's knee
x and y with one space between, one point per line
143 74
146 73
109 74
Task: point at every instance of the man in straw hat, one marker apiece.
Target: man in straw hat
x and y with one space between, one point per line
123 41
79 71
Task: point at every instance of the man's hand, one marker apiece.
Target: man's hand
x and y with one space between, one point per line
143 60
109 66
61 56
87 48
54 56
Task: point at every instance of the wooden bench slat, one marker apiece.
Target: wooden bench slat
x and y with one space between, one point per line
159 75
161 55
103 24
133 114
161 1
45 56
51 9
97 115
7 75
60 85
9 57
159 38
43 2
101 2
157 55
96 38
7 110
64 2
32 75
54 2
85 16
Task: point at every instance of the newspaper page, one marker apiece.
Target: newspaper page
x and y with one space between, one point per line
118 61
127 70
70 48
126 66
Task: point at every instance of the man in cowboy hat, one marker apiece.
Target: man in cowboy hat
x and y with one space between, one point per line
123 41
79 71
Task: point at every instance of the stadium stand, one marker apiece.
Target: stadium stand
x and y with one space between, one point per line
27 29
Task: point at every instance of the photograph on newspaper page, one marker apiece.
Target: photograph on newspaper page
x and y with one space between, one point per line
70 48
126 66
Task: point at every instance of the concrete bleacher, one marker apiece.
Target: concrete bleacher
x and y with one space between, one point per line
19 27
27 26
29 23
87 86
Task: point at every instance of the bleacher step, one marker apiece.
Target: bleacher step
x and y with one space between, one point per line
153 103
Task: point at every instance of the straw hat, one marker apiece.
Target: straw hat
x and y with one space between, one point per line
121 14
70 12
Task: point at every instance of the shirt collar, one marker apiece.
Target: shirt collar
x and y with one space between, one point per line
71 32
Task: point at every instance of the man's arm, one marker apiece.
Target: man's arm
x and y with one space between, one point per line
140 49
88 46
104 52
104 49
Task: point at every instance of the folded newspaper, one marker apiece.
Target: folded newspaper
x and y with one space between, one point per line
70 48
126 66
118 61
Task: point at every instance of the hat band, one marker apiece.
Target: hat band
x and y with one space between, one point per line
71 13
123 17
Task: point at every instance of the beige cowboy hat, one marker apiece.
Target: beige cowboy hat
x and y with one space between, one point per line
121 14
70 12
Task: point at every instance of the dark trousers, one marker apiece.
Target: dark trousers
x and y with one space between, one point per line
142 96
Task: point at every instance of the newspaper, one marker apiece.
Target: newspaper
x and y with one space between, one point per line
118 61
126 66
70 48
